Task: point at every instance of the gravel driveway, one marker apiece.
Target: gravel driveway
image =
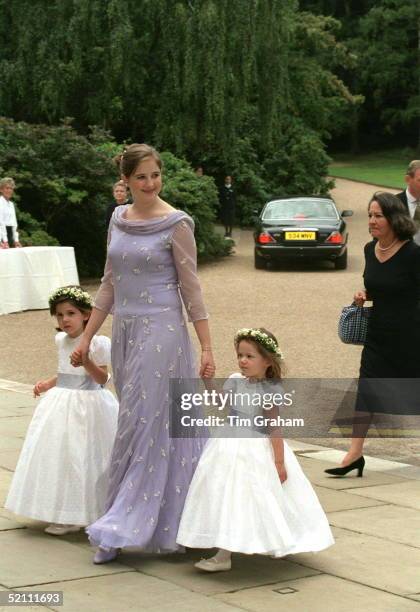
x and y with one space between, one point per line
300 303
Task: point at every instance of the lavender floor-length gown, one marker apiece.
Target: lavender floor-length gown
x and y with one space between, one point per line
150 265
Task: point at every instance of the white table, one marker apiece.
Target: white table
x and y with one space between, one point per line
29 275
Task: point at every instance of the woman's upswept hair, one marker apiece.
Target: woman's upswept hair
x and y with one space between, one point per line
396 214
132 155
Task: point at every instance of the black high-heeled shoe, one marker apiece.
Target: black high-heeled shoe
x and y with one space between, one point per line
358 465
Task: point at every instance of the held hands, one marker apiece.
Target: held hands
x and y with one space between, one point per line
80 355
360 298
207 368
281 471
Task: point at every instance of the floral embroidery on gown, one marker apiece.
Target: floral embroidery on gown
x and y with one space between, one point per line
150 266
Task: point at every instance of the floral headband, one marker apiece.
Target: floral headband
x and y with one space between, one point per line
261 337
80 297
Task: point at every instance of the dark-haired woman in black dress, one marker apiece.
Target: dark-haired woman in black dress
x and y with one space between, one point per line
391 354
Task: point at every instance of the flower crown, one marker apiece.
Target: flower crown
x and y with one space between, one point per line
261 337
80 297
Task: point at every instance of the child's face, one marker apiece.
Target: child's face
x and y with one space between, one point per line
70 319
251 363
120 194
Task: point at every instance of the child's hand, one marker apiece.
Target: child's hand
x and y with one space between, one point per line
281 470
81 354
76 358
40 387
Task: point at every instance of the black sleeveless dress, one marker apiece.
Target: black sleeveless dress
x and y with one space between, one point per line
390 364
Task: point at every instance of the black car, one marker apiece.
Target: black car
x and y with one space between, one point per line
307 227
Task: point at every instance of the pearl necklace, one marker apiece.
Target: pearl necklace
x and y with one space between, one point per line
388 247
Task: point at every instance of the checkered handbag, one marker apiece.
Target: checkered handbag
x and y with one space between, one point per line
353 324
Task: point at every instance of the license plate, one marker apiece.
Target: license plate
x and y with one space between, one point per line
300 235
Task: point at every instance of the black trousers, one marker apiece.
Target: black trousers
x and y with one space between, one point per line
10 239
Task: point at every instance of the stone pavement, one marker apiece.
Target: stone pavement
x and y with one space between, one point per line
374 565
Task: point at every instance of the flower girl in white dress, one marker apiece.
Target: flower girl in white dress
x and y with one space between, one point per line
62 473
248 493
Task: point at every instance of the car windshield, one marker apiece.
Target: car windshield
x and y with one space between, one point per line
300 209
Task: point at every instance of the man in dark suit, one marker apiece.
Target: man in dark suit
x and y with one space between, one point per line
227 206
411 196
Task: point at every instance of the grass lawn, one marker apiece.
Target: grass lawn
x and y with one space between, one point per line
385 168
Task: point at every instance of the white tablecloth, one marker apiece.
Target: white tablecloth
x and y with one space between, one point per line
29 275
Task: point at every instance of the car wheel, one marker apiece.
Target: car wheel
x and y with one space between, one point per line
341 262
259 262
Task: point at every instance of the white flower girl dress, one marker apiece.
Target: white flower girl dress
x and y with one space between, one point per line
237 502
62 473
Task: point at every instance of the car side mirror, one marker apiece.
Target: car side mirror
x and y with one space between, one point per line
347 213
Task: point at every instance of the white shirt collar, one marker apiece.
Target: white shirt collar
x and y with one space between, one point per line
410 198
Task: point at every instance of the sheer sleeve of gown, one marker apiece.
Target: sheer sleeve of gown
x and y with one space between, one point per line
104 299
185 257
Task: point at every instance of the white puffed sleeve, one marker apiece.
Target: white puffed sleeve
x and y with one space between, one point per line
185 257
104 299
231 383
273 393
100 350
59 338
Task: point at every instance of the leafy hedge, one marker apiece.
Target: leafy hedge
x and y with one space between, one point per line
198 196
32 232
64 185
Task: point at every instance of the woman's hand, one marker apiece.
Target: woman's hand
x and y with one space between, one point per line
80 355
359 298
207 368
281 471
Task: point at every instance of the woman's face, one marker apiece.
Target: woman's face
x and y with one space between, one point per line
379 226
7 191
120 194
145 183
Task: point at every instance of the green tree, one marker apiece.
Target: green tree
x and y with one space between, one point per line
64 184
384 38
219 81
391 30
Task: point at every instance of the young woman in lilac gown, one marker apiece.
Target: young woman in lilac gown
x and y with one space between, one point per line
150 266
